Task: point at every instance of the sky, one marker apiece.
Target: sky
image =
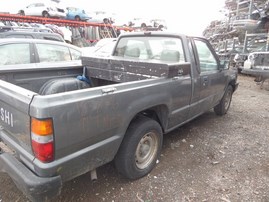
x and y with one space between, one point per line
184 16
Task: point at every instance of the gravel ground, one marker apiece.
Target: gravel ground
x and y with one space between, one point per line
211 158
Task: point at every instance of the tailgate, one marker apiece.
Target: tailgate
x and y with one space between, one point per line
14 117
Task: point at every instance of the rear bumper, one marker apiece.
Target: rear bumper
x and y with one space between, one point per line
256 72
34 187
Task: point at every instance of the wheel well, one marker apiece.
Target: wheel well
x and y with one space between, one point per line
232 83
158 113
106 21
143 24
43 12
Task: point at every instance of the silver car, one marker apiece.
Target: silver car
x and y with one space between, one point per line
36 53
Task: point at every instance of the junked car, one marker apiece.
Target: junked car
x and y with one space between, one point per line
153 83
36 53
103 48
74 13
44 9
31 35
257 65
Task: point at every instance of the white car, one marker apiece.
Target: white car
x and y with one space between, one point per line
44 9
257 60
101 17
103 48
140 22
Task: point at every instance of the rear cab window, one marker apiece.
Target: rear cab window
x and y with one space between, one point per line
160 49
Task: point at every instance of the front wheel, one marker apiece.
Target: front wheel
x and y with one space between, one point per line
224 105
140 148
77 18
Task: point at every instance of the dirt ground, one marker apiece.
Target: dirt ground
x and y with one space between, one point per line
209 159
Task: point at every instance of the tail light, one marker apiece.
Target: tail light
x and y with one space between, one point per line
42 139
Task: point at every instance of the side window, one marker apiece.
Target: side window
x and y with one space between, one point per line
16 36
75 54
39 5
31 6
12 54
53 38
52 53
207 60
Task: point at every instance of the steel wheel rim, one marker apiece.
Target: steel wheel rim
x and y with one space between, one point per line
227 100
146 150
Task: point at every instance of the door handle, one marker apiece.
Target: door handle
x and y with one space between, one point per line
205 81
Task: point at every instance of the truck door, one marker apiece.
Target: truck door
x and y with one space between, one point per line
212 77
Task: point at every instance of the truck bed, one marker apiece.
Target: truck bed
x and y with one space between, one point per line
101 106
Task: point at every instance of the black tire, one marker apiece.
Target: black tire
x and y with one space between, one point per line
143 25
21 12
224 105
106 21
140 148
45 14
160 27
77 18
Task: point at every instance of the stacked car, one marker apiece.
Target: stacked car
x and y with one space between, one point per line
44 9
78 14
54 10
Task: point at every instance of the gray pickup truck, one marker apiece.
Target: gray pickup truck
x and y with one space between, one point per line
59 123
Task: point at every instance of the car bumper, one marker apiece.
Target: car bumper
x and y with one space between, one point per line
34 187
256 72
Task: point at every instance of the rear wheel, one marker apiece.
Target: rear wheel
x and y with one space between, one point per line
21 12
45 14
143 25
140 148
224 105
